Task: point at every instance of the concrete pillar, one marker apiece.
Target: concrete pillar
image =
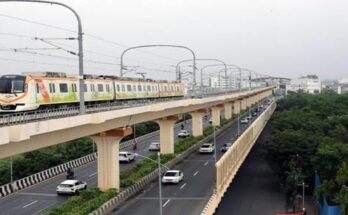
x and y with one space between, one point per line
166 125
243 102
228 110
108 162
236 107
197 122
215 115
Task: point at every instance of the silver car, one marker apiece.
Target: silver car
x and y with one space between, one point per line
155 146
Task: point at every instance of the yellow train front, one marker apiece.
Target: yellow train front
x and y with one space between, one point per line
50 90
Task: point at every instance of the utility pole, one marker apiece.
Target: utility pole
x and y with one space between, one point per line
159 182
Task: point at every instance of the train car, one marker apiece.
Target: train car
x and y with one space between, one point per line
136 89
51 90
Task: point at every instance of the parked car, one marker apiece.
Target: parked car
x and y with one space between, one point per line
254 113
172 176
155 146
126 156
225 147
244 121
183 134
71 187
207 148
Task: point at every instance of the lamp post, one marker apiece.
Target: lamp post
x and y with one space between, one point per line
159 177
80 46
11 169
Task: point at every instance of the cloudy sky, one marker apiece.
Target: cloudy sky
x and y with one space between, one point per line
276 37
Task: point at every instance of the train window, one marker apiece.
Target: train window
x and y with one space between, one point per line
107 88
165 88
144 88
118 88
74 88
100 88
134 88
123 88
153 88
149 88
54 88
51 90
63 88
92 88
85 89
37 88
139 88
129 87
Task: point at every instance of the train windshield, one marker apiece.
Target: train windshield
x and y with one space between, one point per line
12 84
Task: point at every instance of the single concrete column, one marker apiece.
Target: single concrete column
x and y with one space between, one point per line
236 107
228 110
108 162
215 115
244 106
197 122
166 125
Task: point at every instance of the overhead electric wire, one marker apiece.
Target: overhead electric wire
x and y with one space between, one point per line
86 34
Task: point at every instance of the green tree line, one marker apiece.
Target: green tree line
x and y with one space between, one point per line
310 133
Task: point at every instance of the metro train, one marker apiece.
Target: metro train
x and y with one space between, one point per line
45 90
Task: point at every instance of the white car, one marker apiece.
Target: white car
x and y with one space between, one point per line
126 156
172 176
155 146
244 121
183 134
207 148
71 187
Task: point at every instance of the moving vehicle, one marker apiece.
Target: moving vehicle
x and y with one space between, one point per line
207 148
225 147
71 187
70 173
126 156
172 176
183 134
254 113
249 117
52 90
154 146
244 121
210 120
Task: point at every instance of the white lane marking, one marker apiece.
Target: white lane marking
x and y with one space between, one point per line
166 202
182 186
93 174
31 203
37 194
206 163
194 174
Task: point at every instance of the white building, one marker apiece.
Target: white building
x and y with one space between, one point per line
309 84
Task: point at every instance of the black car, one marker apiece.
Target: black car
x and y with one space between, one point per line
254 113
225 147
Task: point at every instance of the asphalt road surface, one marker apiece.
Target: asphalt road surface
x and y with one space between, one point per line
255 189
42 196
189 196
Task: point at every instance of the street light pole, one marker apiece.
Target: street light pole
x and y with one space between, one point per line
80 47
214 134
11 169
159 182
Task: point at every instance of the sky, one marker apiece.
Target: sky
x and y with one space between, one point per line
286 38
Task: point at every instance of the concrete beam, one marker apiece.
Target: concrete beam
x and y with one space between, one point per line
197 122
215 115
108 161
167 125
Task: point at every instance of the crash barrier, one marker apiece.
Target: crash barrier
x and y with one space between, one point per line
44 175
130 192
17 185
230 162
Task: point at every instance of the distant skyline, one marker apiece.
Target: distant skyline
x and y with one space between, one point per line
287 38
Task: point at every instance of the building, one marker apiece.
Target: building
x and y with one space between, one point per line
309 84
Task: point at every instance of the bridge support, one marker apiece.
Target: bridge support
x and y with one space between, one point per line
228 110
197 122
236 107
166 125
108 161
243 104
215 115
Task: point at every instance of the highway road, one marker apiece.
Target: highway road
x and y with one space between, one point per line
189 196
42 197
